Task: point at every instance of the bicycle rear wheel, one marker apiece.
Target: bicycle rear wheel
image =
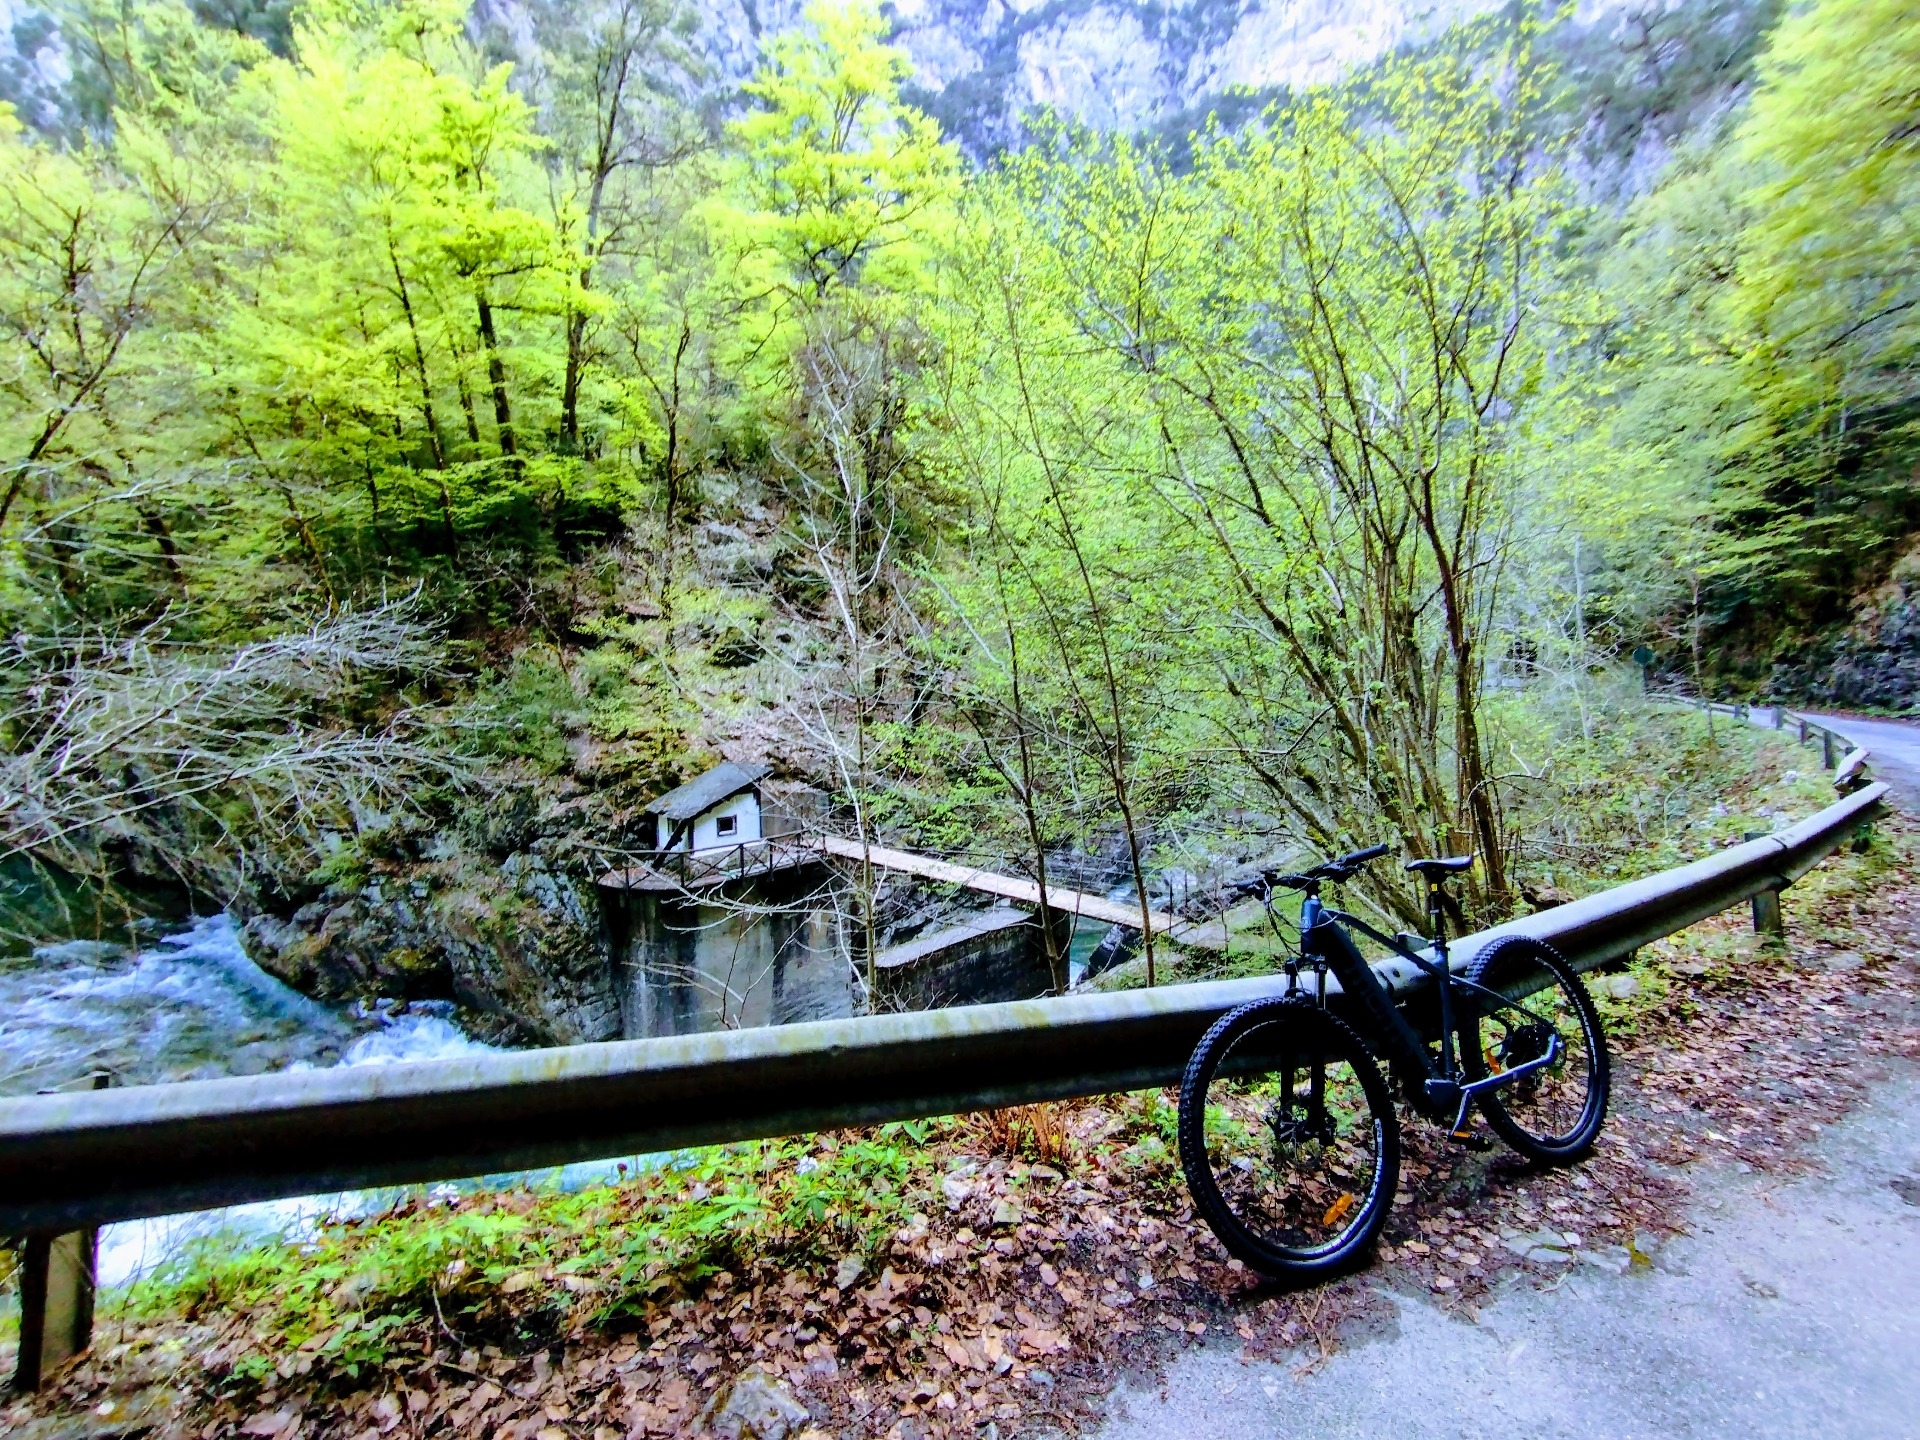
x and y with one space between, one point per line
1288 1138
1553 1114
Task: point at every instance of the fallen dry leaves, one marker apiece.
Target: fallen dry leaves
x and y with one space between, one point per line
1011 1305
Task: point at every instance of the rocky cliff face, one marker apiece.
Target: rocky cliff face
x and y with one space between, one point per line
980 66
1128 64
499 915
1875 663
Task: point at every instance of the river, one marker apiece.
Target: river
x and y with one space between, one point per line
190 1005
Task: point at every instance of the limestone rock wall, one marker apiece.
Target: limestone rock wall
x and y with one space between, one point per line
978 64
1875 664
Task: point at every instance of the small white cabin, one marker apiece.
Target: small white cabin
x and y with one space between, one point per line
721 807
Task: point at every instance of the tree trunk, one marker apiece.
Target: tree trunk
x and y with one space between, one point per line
496 377
419 360
570 389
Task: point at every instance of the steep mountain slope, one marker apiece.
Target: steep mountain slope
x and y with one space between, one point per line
1124 64
980 66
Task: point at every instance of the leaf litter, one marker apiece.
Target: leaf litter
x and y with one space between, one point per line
1018 1264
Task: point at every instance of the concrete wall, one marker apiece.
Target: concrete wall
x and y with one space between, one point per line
760 952
766 950
998 956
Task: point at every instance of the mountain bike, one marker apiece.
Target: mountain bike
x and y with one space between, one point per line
1288 1133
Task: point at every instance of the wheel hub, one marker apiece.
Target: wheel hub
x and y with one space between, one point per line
1292 1128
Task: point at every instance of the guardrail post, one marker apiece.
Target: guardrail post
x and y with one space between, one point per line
56 1303
1826 749
1779 716
1803 729
1767 919
56 1294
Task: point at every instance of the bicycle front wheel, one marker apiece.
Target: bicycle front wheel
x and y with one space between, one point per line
1553 1113
1288 1138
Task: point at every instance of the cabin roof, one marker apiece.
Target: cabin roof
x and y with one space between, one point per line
703 792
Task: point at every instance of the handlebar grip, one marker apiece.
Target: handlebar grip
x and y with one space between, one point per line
1359 857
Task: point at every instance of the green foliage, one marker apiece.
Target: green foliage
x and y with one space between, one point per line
528 712
1114 486
844 180
1619 789
1232 434
1763 351
518 1265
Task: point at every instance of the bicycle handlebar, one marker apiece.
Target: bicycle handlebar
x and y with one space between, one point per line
1360 857
1338 868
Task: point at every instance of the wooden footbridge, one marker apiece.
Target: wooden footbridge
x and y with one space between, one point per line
693 870
1006 887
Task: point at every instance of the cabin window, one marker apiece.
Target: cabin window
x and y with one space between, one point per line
725 824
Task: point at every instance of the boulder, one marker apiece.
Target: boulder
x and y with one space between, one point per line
753 1406
520 940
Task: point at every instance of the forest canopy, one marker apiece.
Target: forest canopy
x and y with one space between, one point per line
587 415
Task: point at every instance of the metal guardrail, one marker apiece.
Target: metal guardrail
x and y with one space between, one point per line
1837 752
716 864
76 1160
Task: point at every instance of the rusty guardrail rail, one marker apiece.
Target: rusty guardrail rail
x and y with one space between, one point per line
70 1162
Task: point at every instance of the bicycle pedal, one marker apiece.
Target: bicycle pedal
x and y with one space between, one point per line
1471 1138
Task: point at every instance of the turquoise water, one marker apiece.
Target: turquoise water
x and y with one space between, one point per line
1087 935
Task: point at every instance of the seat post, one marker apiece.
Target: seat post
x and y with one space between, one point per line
1436 913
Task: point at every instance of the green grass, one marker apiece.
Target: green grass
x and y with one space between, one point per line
1628 788
519 1267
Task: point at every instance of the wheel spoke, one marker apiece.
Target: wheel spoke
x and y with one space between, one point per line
1553 1110
1303 1183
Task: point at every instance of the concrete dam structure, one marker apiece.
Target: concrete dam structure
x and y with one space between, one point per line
732 922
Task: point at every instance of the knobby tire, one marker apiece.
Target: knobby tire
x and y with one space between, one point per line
1585 1077
1295 1027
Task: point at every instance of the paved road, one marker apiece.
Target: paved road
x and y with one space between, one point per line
1792 1310
1894 747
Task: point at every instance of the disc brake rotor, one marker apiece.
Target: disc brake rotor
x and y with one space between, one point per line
1290 1128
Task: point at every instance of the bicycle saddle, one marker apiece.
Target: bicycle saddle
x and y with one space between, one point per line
1433 869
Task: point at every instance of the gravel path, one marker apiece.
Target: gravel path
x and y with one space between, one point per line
1792 1309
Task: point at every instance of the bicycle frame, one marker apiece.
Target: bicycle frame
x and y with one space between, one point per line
1441 1088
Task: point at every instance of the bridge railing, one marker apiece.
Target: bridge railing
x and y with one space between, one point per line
69 1162
712 864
